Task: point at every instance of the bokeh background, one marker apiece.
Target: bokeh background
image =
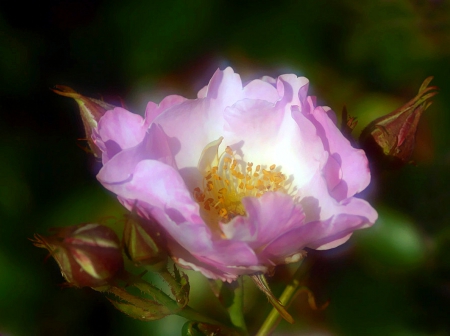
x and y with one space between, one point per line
372 56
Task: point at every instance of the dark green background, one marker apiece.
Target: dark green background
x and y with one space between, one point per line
371 56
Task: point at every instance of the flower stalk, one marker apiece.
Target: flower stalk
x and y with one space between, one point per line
289 293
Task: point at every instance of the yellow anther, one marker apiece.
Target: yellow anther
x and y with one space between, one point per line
277 179
210 186
220 198
223 213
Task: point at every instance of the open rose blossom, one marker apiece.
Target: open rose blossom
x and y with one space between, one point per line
242 178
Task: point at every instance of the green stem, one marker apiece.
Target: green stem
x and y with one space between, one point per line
286 297
193 315
236 309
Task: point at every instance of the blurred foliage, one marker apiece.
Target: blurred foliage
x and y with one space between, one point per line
371 56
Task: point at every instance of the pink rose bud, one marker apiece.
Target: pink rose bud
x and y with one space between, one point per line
88 255
389 140
143 241
91 110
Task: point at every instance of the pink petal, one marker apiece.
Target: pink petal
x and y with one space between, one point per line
266 134
353 162
122 166
267 217
293 89
153 110
259 89
118 129
191 125
225 86
354 214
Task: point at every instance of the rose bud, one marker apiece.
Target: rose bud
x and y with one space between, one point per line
91 110
143 241
88 255
389 140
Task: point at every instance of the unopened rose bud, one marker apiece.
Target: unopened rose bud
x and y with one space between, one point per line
91 110
389 141
89 255
143 241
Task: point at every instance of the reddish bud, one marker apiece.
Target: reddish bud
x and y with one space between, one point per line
88 255
143 241
389 140
91 110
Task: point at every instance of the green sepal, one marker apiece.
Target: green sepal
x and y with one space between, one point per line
182 288
143 243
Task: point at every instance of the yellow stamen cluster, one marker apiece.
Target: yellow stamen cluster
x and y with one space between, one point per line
225 185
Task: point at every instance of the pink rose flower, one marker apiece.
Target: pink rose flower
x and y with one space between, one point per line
242 178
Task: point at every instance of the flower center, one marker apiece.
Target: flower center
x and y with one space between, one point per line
226 184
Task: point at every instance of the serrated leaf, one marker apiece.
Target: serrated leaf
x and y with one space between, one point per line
151 312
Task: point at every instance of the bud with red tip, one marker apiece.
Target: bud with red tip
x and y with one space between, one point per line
89 255
389 141
91 110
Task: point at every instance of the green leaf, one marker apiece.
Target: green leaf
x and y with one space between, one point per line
152 310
